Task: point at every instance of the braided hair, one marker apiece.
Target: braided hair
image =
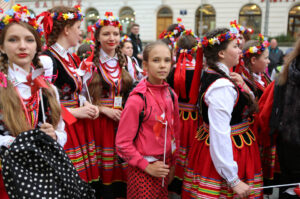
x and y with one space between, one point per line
98 84
212 57
10 105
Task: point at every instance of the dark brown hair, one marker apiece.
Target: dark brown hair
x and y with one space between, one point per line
10 103
186 42
82 51
59 25
97 83
211 54
122 44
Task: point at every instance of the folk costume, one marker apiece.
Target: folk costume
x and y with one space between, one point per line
258 83
113 173
61 68
141 145
224 142
185 79
133 67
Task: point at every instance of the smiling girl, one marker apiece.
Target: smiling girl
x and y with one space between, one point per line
142 146
109 86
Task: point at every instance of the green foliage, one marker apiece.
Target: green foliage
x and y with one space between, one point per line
283 38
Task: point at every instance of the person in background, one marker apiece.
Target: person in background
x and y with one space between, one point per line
275 56
127 49
136 42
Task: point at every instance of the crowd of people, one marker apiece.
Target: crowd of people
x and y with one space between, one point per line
196 117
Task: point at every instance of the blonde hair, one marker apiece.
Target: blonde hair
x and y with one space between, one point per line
283 76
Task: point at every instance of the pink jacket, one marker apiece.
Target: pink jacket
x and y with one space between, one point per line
147 142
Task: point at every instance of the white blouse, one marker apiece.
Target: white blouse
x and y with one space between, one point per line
18 76
221 97
48 64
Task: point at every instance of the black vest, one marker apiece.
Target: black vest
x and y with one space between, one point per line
62 80
239 111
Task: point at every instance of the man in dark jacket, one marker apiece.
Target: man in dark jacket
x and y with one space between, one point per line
136 42
275 56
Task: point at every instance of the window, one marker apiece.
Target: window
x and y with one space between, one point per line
127 18
250 17
91 16
208 19
164 19
294 21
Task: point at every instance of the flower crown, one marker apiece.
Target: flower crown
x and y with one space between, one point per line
239 29
124 39
108 20
88 41
20 13
218 39
68 16
257 49
171 35
188 51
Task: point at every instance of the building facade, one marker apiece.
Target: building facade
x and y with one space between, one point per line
155 15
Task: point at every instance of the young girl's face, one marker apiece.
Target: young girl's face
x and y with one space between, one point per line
19 45
127 49
260 64
158 65
74 34
230 56
109 38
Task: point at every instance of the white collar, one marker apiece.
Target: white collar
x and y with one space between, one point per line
60 50
258 78
17 75
223 67
104 57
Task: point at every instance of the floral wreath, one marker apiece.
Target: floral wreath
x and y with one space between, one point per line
125 38
68 16
188 51
49 17
171 34
20 13
89 42
108 20
218 39
257 49
239 29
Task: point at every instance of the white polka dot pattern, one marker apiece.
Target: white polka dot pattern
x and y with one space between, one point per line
36 166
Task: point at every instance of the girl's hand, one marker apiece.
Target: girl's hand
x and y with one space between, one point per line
95 108
237 78
114 114
158 169
49 130
84 112
242 189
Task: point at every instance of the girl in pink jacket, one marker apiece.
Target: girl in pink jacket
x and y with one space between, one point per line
150 148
